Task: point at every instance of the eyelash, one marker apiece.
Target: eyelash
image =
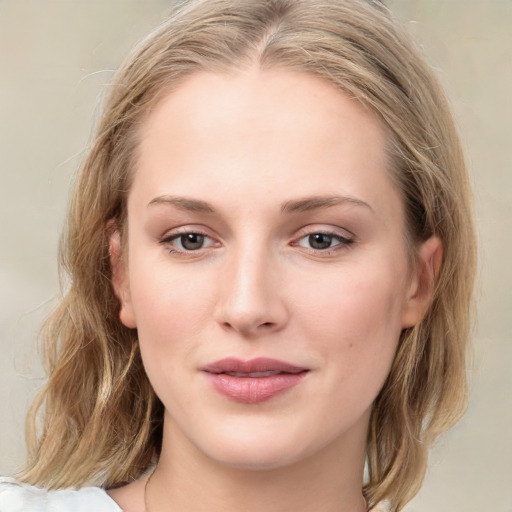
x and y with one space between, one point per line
168 241
342 242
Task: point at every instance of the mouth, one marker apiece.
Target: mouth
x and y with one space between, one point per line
252 375
253 381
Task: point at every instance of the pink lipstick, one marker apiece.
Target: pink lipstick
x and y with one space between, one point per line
253 381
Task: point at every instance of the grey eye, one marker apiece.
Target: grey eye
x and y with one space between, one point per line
320 241
191 241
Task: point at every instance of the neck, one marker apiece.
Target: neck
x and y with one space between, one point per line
187 479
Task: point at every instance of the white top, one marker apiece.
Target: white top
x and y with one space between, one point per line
17 497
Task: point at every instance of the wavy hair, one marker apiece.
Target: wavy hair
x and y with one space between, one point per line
98 420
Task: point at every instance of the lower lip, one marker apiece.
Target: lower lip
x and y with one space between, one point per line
253 390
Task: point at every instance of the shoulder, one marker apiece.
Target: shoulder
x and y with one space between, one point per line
18 497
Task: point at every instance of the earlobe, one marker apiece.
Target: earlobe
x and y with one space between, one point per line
120 281
425 275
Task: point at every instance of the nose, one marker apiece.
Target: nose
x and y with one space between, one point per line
251 300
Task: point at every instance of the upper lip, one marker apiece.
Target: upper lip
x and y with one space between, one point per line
258 365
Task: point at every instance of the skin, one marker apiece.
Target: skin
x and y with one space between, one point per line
252 161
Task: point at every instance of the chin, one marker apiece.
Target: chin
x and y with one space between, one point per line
259 449
265 440
256 457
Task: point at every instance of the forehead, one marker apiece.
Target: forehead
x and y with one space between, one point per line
262 134
207 101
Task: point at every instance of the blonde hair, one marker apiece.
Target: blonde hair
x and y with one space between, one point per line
102 421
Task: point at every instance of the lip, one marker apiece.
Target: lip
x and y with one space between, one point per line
253 381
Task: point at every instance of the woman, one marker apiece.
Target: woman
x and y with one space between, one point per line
271 258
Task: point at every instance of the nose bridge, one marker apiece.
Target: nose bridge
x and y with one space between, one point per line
251 301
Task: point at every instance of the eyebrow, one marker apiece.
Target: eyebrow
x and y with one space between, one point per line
294 206
317 202
183 203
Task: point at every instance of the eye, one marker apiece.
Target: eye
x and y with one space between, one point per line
322 241
188 242
191 241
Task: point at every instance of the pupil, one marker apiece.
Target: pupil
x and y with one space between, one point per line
192 241
320 241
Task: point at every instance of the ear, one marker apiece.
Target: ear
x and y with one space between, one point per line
423 280
120 281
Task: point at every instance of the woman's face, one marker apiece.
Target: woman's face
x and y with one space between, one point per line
266 271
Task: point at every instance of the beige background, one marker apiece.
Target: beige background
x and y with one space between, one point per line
55 57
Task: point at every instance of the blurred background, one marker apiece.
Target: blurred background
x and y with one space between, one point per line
55 59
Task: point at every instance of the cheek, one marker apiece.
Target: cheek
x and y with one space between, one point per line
354 318
357 298
168 308
167 301
168 313
357 333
